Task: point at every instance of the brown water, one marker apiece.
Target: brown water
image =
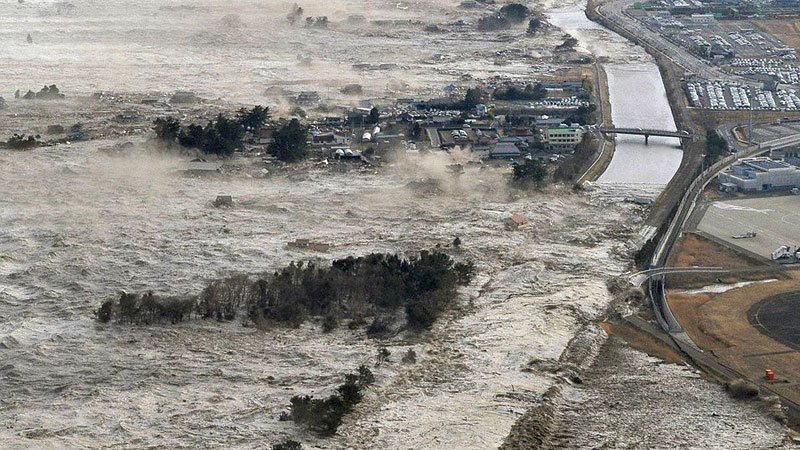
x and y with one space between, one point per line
77 226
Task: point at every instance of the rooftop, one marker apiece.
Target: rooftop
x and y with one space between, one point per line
765 164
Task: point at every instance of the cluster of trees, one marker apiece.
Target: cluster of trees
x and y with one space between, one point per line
472 98
514 12
46 93
376 285
290 142
584 115
529 92
146 309
373 117
22 142
325 415
493 23
534 25
568 45
509 14
288 444
716 147
574 165
531 173
218 137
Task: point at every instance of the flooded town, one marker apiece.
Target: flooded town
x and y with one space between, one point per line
425 224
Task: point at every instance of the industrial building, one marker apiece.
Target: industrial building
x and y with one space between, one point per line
760 174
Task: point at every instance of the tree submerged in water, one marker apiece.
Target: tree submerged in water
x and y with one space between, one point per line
377 285
22 142
218 137
325 415
529 174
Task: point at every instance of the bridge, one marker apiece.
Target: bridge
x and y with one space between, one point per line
646 132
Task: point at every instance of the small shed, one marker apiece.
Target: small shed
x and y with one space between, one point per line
516 222
201 167
225 201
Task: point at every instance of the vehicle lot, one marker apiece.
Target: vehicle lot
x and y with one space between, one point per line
775 131
723 95
776 220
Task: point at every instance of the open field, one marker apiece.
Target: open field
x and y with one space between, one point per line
718 322
695 250
787 30
779 318
776 220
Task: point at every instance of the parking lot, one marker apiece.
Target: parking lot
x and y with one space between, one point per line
723 95
776 221
775 131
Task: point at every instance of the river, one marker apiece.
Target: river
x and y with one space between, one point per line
638 100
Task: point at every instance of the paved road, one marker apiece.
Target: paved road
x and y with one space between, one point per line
640 278
615 12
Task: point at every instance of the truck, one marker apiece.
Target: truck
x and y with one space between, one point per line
748 235
784 251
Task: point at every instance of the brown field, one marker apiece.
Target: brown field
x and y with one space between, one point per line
698 280
718 324
786 30
695 250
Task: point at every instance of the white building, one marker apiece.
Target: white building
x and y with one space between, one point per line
761 174
563 138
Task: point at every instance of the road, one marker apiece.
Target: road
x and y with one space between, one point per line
676 226
639 278
615 12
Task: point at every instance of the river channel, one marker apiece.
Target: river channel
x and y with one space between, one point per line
638 100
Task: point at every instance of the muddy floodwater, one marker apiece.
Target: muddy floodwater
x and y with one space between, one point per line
77 226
